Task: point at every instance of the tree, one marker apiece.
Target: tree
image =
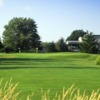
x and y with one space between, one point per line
21 34
89 44
61 45
76 34
49 47
1 46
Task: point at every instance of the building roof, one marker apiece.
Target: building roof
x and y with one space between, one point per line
97 37
72 42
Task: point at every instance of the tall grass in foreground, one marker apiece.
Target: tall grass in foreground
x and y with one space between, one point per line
8 92
72 94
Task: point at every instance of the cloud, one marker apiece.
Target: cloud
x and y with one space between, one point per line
1 3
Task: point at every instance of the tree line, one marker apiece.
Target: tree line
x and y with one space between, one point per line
21 35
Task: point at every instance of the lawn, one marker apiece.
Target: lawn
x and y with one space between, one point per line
50 71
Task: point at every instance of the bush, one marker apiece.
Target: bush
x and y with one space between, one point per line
49 46
98 60
2 50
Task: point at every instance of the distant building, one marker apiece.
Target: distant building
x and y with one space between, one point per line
97 37
74 45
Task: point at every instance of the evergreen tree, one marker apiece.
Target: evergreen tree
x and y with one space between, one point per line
89 44
1 46
49 47
61 45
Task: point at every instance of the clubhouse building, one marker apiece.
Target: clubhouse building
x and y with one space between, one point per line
74 45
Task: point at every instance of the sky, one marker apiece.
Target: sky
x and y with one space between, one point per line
54 18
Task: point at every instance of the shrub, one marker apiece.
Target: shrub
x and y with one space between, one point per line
98 60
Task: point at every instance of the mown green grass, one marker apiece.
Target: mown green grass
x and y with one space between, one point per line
50 71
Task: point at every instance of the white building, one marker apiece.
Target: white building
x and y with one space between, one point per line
74 45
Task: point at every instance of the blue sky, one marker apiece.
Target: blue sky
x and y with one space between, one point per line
54 18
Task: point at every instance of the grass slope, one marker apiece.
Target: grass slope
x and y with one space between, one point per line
50 71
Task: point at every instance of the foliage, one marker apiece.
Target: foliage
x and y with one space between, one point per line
1 46
98 60
61 45
76 34
49 46
89 44
21 35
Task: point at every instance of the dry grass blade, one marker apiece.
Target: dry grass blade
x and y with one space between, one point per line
30 96
7 92
46 95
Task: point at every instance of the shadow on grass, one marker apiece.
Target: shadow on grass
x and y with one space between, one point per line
27 61
12 68
23 59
